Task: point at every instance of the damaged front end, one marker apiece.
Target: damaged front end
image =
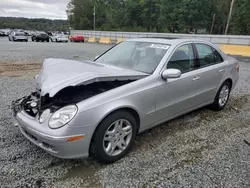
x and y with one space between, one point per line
35 104
67 82
30 104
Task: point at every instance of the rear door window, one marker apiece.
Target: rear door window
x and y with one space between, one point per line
207 55
217 56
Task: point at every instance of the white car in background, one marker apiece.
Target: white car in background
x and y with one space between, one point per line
18 36
59 38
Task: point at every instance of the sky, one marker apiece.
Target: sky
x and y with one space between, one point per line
51 9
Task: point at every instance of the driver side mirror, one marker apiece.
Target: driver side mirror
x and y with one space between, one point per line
171 73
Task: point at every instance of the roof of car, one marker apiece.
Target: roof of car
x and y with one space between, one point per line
170 41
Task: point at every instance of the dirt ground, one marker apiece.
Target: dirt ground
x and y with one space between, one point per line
19 70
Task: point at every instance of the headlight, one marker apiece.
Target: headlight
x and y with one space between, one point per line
62 116
44 115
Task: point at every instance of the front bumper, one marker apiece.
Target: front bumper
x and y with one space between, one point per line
55 145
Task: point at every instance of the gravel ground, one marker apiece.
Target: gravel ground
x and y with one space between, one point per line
201 149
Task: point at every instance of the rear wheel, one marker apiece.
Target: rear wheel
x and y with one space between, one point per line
222 96
114 137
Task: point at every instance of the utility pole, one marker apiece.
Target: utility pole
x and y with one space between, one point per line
151 10
94 18
212 27
229 16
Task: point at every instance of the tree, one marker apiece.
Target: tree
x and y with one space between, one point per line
181 16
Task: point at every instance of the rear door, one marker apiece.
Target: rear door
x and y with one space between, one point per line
212 69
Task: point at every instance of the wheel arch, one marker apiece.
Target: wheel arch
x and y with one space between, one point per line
130 109
230 81
225 80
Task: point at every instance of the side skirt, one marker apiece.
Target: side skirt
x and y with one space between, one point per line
174 116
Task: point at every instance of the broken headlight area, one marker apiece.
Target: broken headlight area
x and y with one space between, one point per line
30 104
35 104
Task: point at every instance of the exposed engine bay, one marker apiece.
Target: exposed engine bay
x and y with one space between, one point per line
35 104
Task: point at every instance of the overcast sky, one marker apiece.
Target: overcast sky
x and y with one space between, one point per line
52 9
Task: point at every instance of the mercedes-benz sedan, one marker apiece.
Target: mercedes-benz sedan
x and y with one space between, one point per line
96 108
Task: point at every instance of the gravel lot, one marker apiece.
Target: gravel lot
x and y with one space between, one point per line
201 149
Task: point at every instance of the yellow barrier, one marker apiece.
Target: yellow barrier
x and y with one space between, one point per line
236 50
92 40
105 41
120 40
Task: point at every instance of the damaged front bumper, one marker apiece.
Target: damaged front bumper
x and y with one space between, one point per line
54 142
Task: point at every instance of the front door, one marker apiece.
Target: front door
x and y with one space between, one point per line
175 96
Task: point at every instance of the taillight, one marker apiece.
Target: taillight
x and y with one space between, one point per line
238 67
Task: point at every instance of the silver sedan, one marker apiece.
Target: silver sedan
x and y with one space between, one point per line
96 108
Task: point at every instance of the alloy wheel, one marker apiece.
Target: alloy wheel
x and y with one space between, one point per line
224 95
117 137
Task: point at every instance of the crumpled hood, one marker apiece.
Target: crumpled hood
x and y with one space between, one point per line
57 74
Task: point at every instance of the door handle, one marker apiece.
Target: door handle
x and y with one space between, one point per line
222 70
196 78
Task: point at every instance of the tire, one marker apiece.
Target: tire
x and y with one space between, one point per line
220 102
26 40
37 40
9 38
98 145
47 40
56 40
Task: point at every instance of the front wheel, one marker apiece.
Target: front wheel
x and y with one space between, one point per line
222 96
114 137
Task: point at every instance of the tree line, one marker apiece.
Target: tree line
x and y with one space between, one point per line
34 24
181 16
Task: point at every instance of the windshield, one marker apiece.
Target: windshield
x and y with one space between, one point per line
138 56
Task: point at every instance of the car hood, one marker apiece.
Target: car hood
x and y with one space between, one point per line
57 74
